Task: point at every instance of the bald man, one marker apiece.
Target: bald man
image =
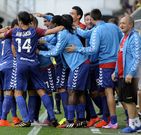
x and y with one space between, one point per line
127 70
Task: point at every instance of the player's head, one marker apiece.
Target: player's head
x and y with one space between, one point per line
126 24
57 20
96 15
76 13
14 23
34 21
23 18
47 23
64 20
68 22
87 20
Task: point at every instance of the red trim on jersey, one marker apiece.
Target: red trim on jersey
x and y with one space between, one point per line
120 57
87 62
8 34
81 25
40 32
108 65
46 68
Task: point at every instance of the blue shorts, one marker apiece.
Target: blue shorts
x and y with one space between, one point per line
105 79
93 78
9 78
1 80
78 78
48 76
61 74
28 72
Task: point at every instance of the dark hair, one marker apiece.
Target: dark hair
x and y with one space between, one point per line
34 20
96 14
14 22
86 14
64 20
113 20
24 17
58 20
1 26
78 10
50 14
68 21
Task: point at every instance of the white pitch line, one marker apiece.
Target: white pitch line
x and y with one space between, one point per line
95 131
36 129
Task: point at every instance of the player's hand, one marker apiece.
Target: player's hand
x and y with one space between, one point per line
70 48
5 29
8 27
41 41
39 14
128 79
113 76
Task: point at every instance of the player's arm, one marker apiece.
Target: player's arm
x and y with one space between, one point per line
84 33
47 17
44 32
45 43
92 49
54 30
5 29
2 35
41 41
6 34
135 45
58 48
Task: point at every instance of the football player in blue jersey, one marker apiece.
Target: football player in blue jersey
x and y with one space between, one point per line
25 39
79 67
7 68
61 70
104 42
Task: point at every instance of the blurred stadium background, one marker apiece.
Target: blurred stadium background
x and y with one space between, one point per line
9 8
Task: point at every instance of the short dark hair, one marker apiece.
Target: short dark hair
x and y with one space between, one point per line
49 14
34 20
57 19
96 14
64 20
78 10
113 20
24 17
86 14
14 22
68 22
1 26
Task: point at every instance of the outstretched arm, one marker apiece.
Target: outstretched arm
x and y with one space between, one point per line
92 49
47 17
2 35
5 31
54 30
84 33
44 32
58 48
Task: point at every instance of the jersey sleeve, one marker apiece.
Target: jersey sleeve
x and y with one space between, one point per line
94 44
59 47
40 32
84 33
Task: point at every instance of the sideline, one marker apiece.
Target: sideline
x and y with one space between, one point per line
36 129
